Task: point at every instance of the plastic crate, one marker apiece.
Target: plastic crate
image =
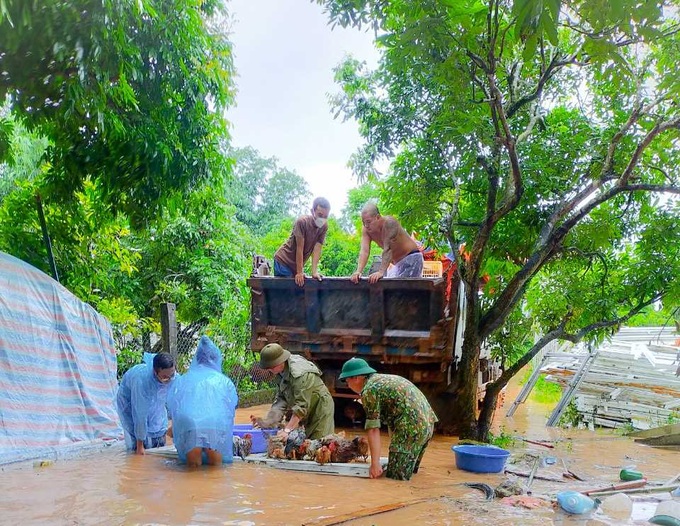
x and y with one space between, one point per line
259 439
432 269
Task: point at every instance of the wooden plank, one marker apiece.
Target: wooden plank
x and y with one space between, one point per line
670 429
346 517
666 440
350 469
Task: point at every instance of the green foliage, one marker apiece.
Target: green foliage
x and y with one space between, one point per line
650 317
571 416
264 193
546 143
502 439
129 94
197 256
20 154
543 392
268 244
350 219
340 251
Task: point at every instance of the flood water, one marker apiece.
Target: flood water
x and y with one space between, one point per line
111 487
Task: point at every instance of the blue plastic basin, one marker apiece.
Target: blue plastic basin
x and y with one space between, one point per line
259 440
480 459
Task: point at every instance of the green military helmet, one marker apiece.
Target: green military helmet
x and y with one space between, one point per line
356 367
272 355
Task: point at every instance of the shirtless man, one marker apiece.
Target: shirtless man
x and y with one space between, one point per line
398 247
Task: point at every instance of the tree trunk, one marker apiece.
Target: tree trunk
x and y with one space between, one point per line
457 407
487 412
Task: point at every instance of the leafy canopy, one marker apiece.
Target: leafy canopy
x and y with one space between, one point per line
541 134
129 94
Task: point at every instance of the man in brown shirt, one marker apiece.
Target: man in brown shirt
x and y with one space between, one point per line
398 247
309 234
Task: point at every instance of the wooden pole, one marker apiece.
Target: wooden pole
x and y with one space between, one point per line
341 519
46 238
169 329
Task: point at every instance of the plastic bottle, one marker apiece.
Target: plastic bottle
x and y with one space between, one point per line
575 502
630 474
618 506
667 513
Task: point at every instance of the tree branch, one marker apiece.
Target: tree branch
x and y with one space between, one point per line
560 333
652 188
552 68
656 130
513 291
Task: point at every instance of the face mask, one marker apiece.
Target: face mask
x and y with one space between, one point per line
164 379
320 221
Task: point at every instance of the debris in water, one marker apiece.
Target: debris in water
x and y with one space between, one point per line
488 490
525 501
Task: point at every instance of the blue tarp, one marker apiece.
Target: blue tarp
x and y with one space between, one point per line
57 366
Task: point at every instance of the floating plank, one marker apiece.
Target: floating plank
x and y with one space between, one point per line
671 429
666 440
350 469
347 517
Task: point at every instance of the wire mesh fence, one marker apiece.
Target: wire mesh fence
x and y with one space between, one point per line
239 363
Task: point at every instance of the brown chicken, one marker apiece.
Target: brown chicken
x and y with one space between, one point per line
243 445
344 450
275 446
308 449
294 442
323 455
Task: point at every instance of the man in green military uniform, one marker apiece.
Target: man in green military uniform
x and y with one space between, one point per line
392 400
301 390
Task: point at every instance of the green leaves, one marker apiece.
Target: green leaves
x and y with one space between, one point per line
128 93
467 101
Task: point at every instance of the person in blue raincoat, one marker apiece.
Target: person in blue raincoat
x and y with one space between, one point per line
202 405
141 402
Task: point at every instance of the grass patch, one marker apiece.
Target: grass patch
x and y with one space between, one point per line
544 392
259 397
503 439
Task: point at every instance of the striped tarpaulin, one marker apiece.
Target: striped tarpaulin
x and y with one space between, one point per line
57 366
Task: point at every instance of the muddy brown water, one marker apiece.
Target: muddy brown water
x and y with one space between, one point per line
111 487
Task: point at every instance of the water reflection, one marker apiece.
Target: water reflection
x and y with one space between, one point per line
115 488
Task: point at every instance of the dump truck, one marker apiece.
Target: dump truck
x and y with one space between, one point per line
400 326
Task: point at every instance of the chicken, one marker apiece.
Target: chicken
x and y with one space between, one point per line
344 450
275 446
363 450
243 445
309 448
323 455
293 443
277 452
325 440
271 421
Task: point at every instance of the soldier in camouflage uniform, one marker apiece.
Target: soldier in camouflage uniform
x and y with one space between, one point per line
301 390
392 400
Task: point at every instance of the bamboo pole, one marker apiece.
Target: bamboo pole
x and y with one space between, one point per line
346 517
654 489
